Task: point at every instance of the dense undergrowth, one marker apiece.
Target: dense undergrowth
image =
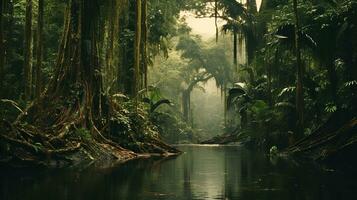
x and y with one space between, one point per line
52 132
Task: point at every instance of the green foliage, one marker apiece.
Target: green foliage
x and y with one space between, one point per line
154 99
267 100
202 58
154 94
331 108
172 128
38 146
273 150
328 51
83 133
14 37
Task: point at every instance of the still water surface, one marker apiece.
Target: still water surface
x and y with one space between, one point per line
203 172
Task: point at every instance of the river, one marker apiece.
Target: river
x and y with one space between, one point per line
202 172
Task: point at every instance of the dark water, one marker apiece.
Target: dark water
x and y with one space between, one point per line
203 172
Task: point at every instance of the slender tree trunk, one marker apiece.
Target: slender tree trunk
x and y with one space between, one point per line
299 86
39 48
225 105
235 48
186 105
28 51
186 96
144 29
137 51
2 45
110 39
216 18
125 51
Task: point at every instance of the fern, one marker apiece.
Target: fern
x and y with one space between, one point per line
330 108
351 83
287 90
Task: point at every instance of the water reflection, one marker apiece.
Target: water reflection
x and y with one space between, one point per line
229 172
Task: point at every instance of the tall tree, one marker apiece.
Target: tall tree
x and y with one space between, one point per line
2 44
299 67
186 94
137 42
235 15
78 67
28 51
235 47
216 18
130 43
39 49
144 49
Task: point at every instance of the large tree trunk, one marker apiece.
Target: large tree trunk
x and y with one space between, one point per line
39 49
28 52
130 49
111 48
71 119
299 67
78 73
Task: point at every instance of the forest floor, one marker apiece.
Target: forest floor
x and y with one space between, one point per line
53 133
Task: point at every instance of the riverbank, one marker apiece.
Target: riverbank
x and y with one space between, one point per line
202 172
49 135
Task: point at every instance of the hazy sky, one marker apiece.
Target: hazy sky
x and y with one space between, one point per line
206 27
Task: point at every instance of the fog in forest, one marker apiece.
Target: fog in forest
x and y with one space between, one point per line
207 99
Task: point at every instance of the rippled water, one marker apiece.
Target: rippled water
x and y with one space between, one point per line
203 172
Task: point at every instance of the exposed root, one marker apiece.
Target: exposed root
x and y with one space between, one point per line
329 142
51 133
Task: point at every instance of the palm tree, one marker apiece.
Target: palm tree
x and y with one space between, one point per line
235 15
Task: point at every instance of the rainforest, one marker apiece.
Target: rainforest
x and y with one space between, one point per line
178 99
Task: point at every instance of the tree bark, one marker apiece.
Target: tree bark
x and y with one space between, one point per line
125 50
144 29
299 67
186 105
78 71
28 52
216 18
186 96
39 48
225 113
235 48
111 41
137 50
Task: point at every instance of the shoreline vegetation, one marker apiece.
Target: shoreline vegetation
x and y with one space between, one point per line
51 136
91 82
